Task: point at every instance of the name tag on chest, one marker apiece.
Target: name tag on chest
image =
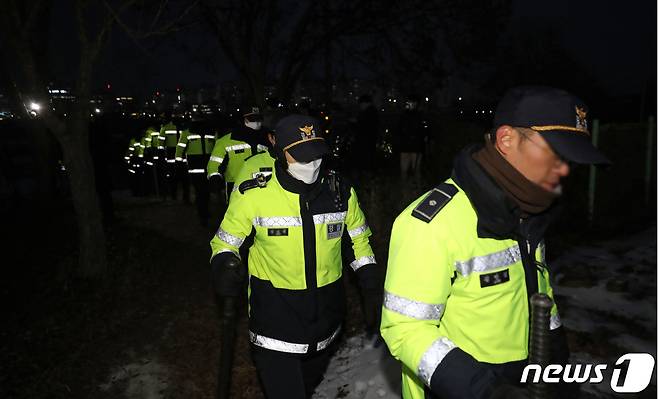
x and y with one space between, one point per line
334 230
490 279
277 232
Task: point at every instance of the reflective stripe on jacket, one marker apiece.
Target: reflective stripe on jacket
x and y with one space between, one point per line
228 156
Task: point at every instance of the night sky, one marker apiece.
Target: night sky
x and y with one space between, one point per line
614 41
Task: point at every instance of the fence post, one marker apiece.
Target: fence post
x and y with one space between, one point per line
592 175
648 163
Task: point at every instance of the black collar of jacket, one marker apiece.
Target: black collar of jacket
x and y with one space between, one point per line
249 136
498 216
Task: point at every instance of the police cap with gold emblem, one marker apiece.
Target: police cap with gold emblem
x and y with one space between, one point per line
298 134
558 116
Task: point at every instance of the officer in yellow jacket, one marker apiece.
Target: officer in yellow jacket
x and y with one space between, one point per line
465 258
261 163
300 214
232 149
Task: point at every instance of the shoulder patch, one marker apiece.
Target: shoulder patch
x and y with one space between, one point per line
430 206
259 181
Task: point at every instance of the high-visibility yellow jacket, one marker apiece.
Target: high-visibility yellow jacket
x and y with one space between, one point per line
191 143
168 135
296 296
449 289
257 164
231 150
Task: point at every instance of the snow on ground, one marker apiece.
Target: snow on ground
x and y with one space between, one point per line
607 288
607 294
145 379
359 370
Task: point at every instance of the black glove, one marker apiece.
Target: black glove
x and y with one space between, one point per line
216 184
372 290
372 310
228 274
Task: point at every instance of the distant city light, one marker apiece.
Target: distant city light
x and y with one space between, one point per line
35 107
427 99
326 118
97 110
459 99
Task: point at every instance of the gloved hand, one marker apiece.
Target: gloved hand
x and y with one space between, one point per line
372 310
372 291
228 274
216 184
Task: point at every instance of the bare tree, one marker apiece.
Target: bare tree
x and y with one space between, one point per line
94 21
279 39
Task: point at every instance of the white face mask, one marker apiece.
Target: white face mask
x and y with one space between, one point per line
253 125
305 171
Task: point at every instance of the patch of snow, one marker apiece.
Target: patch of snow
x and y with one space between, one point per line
361 370
146 379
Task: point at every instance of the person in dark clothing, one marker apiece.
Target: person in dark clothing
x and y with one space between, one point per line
366 133
411 137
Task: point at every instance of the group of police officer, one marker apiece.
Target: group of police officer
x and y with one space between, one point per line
177 154
464 259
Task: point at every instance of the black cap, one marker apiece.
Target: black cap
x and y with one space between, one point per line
297 135
252 114
558 116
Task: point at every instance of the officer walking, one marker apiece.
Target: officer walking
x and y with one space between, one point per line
170 135
261 163
296 294
232 149
411 137
465 258
194 147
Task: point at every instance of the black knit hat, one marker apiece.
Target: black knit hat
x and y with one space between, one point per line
297 135
558 116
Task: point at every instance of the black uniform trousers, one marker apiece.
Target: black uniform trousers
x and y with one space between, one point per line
289 376
196 165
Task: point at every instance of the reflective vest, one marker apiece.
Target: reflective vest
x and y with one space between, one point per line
169 134
446 287
258 164
194 144
130 152
296 293
230 154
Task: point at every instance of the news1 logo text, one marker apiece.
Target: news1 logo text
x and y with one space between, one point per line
631 374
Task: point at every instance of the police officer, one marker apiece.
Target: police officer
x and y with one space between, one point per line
296 294
465 257
261 163
232 149
194 147
170 135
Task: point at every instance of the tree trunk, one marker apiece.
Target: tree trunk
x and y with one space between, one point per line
92 261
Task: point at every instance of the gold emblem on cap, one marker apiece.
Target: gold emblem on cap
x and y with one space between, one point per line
307 132
581 118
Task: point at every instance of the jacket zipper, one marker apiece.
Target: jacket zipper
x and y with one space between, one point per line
310 261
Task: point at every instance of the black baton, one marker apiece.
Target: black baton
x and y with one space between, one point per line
540 348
